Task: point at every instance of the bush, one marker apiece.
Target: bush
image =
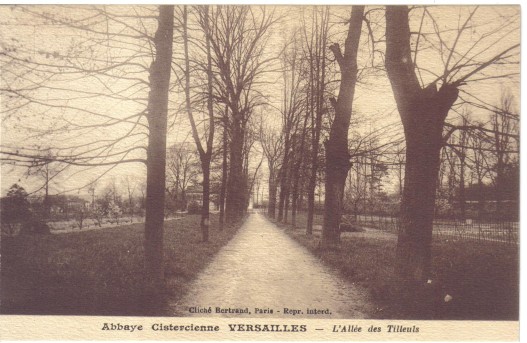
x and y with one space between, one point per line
193 207
114 211
15 206
349 227
35 226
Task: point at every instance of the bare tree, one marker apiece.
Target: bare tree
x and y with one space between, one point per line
272 146
160 71
337 154
131 187
224 164
49 172
479 170
205 153
297 171
238 36
505 125
183 171
316 41
56 84
423 110
488 149
292 105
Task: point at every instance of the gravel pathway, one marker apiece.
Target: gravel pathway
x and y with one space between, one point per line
263 268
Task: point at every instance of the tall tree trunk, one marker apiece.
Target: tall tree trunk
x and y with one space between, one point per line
296 175
286 205
316 104
294 203
312 184
295 188
498 189
462 154
289 196
206 158
236 183
156 154
47 207
481 198
224 169
418 203
423 113
256 201
294 192
337 154
461 195
283 179
205 210
204 154
271 205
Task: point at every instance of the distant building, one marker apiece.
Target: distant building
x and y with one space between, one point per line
195 193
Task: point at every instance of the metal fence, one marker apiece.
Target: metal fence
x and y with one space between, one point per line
468 229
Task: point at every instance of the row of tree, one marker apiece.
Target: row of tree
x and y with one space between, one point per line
125 56
424 97
110 94
479 165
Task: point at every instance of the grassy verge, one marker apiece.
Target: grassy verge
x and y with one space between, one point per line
101 271
482 278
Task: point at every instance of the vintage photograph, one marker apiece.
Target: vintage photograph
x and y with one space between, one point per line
273 162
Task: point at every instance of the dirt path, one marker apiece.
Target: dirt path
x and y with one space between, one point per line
261 267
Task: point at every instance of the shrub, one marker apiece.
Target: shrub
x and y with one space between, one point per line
114 211
35 226
15 206
193 207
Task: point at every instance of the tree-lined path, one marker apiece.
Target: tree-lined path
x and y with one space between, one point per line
263 268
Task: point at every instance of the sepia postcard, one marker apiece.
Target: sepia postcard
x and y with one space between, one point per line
260 172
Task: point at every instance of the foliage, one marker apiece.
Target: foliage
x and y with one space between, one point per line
80 216
193 207
35 226
16 210
98 214
15 206
114 211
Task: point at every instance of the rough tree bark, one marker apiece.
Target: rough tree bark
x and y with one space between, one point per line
156 154
271 145
273 188
224 165
236 181
423 113
205 155
337 154
239 64
462 155
289 194
284 178
296 175
316 95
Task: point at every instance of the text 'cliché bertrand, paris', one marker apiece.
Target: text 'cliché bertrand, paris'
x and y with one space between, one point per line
257 310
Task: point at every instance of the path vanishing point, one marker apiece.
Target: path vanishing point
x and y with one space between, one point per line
263 268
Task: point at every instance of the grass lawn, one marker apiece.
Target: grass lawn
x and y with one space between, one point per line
100 271
481 277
